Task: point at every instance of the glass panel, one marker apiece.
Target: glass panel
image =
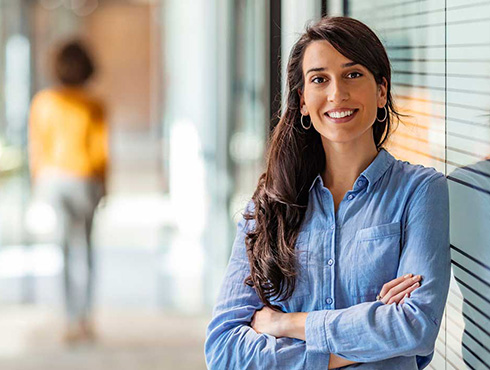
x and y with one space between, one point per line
413 33
15 78
440 53
468 169
251 113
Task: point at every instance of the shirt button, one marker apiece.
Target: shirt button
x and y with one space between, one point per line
329 300
360 182
332 227
330 262
350 197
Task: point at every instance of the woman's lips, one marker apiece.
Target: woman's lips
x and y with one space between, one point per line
343 119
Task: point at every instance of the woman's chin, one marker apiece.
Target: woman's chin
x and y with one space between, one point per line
340 137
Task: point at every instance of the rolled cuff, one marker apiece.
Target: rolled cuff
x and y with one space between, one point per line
315 332
317 360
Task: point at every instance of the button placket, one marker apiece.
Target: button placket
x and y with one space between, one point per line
330 273
330 262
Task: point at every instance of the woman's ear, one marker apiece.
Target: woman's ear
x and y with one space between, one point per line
382 93
304 111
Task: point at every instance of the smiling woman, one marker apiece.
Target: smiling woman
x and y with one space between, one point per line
321 269
342 81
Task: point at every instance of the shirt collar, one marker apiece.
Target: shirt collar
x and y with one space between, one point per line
372 173
317 178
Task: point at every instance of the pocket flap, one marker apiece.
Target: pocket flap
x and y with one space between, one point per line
379 231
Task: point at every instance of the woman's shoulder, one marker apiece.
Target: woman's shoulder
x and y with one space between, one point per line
416 175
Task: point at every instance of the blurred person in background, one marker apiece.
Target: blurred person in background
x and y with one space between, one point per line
68 155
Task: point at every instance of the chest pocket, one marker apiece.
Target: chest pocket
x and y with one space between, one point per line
376 255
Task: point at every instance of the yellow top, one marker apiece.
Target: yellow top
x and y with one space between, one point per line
68 133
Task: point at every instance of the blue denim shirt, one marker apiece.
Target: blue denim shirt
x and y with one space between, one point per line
393 222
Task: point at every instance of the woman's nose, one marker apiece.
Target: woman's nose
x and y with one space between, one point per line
337 92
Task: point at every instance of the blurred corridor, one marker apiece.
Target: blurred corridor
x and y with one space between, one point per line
148 303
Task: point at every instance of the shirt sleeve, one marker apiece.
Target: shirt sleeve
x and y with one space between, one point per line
231 343
373 331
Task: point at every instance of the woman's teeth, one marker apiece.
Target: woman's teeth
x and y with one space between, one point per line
340 114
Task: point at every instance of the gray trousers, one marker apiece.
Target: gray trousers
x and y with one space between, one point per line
74 201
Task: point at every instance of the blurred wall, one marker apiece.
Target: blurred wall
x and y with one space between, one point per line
121 36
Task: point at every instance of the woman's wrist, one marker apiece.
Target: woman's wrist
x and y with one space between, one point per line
293 325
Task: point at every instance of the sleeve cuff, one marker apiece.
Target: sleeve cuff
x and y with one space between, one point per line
315 332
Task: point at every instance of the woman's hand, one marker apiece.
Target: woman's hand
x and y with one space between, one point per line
395 291
268 321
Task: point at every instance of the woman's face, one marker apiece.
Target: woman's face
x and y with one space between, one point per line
335 86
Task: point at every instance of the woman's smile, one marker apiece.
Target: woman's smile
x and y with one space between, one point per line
341 115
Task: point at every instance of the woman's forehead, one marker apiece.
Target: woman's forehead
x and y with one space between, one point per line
321 54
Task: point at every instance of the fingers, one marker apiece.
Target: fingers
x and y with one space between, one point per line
393 283
404 285
399 290
404 294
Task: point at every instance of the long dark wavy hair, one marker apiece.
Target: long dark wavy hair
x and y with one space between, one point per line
295 157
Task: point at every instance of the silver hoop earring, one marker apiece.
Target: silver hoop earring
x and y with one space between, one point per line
302 124
386 115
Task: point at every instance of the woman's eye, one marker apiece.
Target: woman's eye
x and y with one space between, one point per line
354 73
318 79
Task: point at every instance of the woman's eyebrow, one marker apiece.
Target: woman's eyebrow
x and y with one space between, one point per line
320 69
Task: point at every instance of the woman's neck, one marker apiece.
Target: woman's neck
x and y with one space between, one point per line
346 161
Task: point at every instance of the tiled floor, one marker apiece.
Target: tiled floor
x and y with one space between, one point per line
127 340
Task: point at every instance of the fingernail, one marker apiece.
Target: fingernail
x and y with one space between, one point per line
406 295
416 284
407 276
415 278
